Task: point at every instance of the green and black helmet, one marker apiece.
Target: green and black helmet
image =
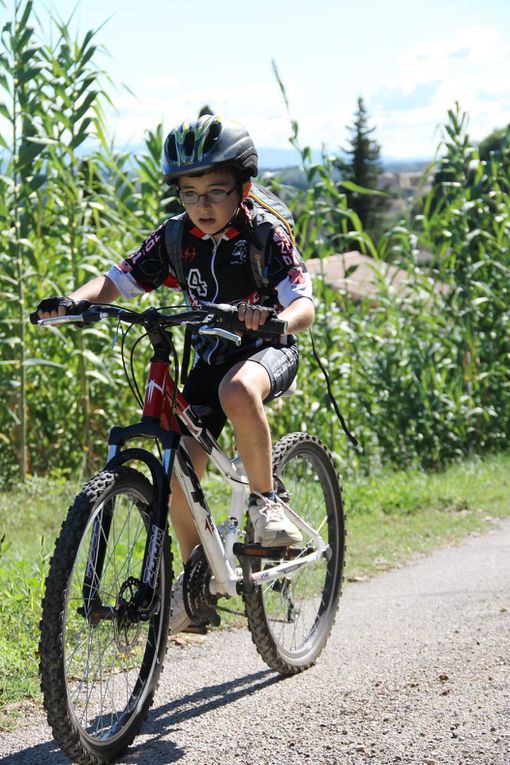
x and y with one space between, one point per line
210 141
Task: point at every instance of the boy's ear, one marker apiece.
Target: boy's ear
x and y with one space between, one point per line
246 188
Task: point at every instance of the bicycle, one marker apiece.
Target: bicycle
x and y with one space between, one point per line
107 599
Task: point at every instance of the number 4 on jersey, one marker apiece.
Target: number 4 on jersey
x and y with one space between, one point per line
196 284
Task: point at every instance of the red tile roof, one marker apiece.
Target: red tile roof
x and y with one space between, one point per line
359 274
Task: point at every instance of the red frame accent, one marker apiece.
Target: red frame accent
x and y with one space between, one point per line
160 390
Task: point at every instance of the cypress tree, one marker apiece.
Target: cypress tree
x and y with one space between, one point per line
363 167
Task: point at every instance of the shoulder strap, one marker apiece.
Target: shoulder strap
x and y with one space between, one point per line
173 237
257 256
271 208
352 438
268 212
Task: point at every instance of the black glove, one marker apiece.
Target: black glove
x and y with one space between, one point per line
54 303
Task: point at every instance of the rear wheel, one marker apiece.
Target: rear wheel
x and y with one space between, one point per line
290 619
100 663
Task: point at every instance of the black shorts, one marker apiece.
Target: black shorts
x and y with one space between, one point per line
202 385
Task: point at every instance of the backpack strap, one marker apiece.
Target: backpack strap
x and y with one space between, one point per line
257 238
269 212
173 238
271 207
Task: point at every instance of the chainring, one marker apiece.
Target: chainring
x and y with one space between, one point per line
199 602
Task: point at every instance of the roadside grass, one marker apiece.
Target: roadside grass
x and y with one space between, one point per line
391 517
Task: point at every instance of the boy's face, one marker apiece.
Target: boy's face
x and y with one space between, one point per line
212 216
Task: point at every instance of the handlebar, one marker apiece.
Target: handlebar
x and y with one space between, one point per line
220 316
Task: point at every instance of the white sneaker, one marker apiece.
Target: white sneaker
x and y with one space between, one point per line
179 618
271 525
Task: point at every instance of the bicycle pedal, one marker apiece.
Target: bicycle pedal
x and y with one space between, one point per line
274 553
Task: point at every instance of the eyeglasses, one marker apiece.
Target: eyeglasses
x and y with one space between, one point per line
214 196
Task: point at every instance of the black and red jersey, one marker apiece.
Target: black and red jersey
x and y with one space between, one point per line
217 272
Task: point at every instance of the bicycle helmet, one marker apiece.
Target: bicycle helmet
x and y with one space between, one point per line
206 143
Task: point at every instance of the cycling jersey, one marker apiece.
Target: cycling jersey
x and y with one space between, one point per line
218 273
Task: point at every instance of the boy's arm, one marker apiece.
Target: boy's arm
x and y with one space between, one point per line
300 315
101 289
98 290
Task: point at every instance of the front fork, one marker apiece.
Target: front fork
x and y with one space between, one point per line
144 601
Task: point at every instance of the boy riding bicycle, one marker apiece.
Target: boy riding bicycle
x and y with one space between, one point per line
211 162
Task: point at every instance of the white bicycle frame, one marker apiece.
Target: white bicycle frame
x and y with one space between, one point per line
218 541
218 545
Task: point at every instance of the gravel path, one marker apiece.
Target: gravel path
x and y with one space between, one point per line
417 672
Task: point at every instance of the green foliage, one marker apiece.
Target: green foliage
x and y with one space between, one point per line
67 207
466 224
497 145
392 515
420 371
21 593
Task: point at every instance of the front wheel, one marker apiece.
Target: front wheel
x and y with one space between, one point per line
100 664
290 619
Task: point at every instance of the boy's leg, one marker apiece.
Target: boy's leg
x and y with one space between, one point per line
242 393
201 391
182 521
186 533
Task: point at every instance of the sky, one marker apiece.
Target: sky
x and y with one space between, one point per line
409 61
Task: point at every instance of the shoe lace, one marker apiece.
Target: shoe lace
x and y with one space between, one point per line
272 509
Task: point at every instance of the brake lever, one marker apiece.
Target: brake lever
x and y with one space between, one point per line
219 332
66 319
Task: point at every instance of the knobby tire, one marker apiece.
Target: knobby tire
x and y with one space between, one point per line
113 667
290 620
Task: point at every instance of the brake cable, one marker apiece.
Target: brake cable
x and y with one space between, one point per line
332 398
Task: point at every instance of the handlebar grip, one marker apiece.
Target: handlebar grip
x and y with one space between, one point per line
230 320
271 326
275 327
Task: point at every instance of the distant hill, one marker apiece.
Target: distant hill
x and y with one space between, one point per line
280 159
405 165
277 159
271 159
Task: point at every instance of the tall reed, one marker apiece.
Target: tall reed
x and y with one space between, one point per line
420 372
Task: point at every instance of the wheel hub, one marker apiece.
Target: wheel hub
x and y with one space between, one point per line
126 623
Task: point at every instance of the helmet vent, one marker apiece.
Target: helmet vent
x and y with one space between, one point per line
212 135
189 143
171 148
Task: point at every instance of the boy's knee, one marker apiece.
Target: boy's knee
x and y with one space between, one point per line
237 394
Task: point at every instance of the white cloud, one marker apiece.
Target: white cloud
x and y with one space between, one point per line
407 106
258 105
470 68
